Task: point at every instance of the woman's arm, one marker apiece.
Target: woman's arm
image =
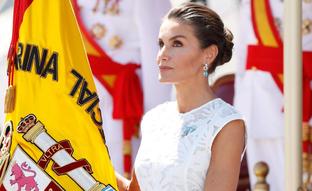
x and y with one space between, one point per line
134 185
124 184
223 172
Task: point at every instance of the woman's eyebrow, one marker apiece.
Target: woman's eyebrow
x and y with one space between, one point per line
173 38
177 36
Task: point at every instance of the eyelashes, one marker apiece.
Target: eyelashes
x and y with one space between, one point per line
175 43
160 43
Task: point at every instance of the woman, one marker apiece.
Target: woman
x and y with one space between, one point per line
197 142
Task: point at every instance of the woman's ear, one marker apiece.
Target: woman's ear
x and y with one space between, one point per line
211 52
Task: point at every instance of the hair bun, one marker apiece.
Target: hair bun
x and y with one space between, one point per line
208 29
228 46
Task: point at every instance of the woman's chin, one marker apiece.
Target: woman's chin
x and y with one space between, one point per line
164 80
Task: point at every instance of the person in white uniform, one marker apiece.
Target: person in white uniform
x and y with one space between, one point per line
196 142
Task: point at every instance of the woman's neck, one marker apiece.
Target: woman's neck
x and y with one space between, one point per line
192 95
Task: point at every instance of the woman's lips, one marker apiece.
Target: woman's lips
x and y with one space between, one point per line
165 68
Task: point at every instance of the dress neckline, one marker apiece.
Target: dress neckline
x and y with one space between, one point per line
207 104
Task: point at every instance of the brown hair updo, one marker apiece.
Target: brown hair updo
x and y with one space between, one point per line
208 27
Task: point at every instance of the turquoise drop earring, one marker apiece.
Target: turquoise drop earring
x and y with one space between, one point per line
205 73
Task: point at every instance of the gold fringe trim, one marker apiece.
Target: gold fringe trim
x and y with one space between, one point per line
127 148
9 102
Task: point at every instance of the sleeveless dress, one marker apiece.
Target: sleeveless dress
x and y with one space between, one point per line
175 149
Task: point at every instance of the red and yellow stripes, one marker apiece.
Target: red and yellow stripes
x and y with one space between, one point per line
268 40
263 24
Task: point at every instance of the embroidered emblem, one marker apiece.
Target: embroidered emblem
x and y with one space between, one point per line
35 132
187 130
23 174
21 180
5 145
5 138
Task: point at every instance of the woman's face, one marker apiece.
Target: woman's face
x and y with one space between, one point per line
180 57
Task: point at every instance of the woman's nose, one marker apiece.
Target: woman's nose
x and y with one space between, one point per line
163 54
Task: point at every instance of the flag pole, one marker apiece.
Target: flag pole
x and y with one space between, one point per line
293 94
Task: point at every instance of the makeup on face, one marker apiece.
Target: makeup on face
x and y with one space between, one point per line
179 56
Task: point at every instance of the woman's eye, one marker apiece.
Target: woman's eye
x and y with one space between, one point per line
177 43
160 44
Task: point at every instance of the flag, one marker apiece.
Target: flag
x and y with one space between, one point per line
53 133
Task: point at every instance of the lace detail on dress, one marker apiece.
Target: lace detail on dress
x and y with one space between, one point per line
176 148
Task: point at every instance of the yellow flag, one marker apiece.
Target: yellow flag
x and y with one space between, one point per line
53 134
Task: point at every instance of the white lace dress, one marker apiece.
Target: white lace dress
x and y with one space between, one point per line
176 148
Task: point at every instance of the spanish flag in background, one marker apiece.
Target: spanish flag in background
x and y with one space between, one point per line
52 138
